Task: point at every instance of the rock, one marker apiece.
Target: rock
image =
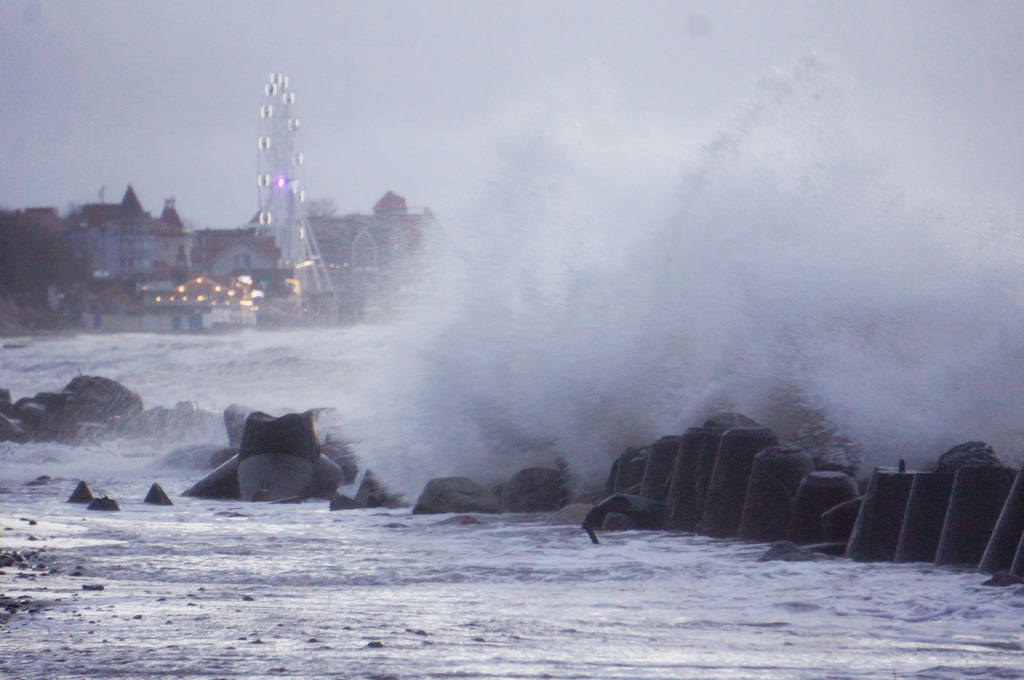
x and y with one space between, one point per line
92 586
41 480
967 454
786 551
11 430
104 503
234 422
373 494
571 515
81 494
340 452
535 489
157 496
370 494
185 421
455 494
87 406
1002 579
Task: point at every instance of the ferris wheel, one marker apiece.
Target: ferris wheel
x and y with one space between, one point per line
281 194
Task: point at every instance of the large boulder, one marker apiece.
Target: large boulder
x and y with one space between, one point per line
11 430
87 406
455 494
235 416
186 421
535 489
968 454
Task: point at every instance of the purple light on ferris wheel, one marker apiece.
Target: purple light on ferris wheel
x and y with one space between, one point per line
280 182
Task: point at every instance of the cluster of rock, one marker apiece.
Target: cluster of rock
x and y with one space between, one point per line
534 489
730 478
282 459
82 495
267 458
90 408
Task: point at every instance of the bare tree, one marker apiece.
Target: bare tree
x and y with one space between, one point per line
321 207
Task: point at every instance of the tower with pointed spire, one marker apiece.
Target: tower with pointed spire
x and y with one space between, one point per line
124 242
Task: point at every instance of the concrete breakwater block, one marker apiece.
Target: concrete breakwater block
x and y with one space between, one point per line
771 494
277 456
727 492
626 511
157 496
1006 537
81 494
924 517
690 477
975 502
818 492
661 459
877 531
838 521
629 471
455 494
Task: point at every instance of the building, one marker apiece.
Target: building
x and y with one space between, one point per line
122 242
368 255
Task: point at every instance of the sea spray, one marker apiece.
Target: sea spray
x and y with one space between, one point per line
785 275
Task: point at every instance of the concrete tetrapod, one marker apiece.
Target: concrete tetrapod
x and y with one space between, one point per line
723 505
924 516
818 492
978 495
877 531
690 477
661 460
1006 537
771 493
630 470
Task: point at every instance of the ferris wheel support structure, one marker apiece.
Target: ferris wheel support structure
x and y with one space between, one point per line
281 194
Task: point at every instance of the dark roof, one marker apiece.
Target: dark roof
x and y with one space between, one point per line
130 204
390 203
170 217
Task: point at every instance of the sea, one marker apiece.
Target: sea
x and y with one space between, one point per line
607 283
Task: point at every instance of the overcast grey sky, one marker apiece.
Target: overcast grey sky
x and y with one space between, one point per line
401 95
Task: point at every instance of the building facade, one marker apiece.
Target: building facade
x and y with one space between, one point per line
123 242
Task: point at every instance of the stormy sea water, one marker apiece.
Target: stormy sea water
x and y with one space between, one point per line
610 283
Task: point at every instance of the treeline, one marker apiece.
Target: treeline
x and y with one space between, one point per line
34 257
